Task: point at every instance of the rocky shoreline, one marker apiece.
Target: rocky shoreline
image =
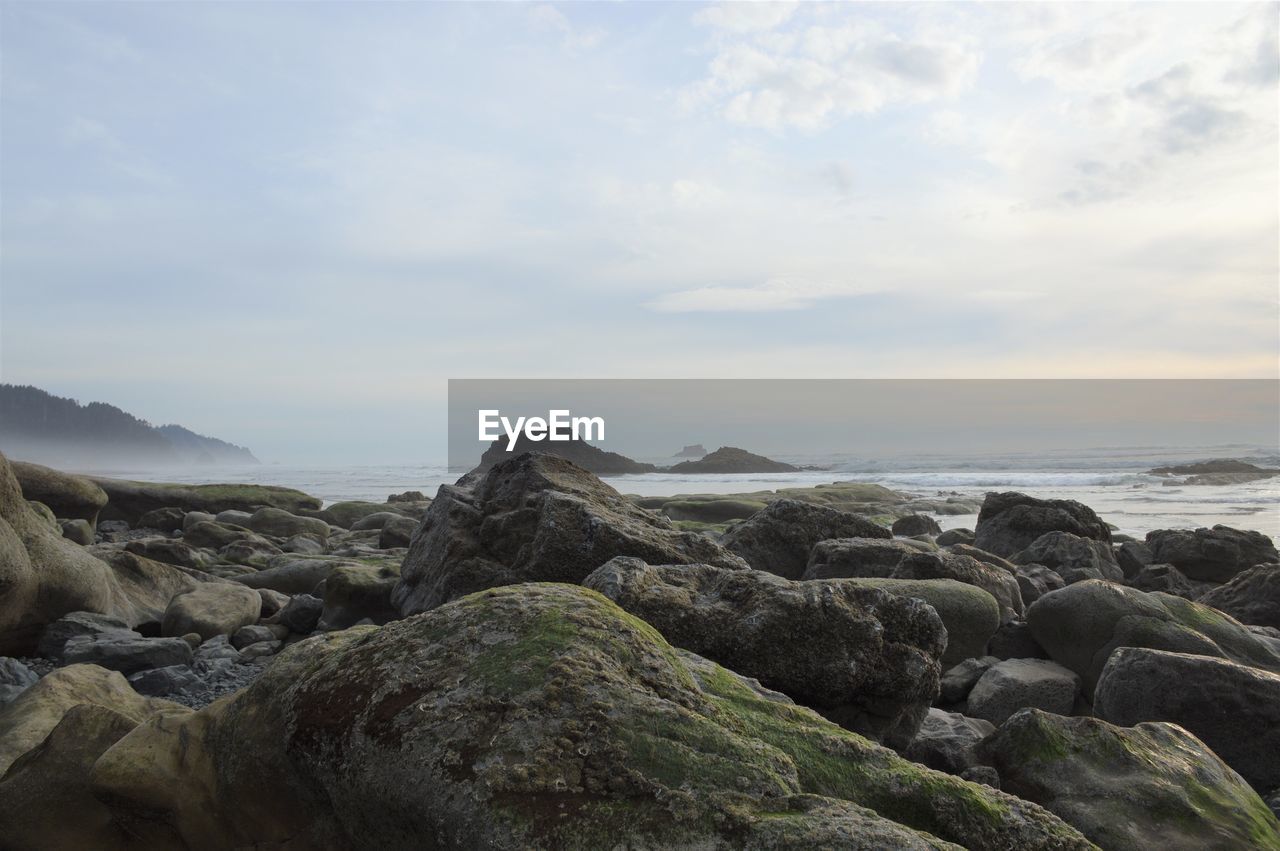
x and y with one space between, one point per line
532 659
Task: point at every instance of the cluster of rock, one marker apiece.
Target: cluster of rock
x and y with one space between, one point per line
555 666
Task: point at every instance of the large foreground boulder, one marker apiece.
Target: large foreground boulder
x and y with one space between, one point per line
1152 786
1252 596
531 716
70 497
535 518
1232 708
129 501
1211 555
1081 625
864 658
43 576
780 537
1010 522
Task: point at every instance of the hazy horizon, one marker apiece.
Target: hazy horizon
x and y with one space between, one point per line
288 225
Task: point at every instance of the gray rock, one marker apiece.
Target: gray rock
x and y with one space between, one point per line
15 678
854 558
161 682
1036 580
984 774
127 653
1132 556
112 527
1010 522
272 602
397 533
1014 641
215 536
246 635
191 518
1016 684
232 517
1072 557
535 518
215 653
955 536
862 657
915 524
947 741
77 531
292 576
1211 555
1251 597
998 583
170 551
77 625
959 680
163 519
211 609
260 650
1232 708
281 524
971 616
375 521
358 593
301 615
1169 580
303 545
249 551
1082 624
1152 786
780 537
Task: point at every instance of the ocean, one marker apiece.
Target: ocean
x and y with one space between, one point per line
1112 480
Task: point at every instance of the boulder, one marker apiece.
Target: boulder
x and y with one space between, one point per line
780 537
301 615
281 524
43 576
397 533
947 741
77 531
1036 580
15 678
303 545
246 635
1211 555
1232 708
1014 640
1132 556
72 497
191 518
1000 584
126 653
46 800
249 551
535 518
128 501
211 609
1152 786
915 524
214 535
955 536
852 558
1169 580
292 575
32 715
1073 557
260 650
170 551
346 514
1252 596
1010 522
272 601
355 593
860 656
232 517
1081 625
1016 684
535 715
163 519
376 520
958 680
971 616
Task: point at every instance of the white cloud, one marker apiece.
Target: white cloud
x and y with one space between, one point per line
547 17
774 294
745 16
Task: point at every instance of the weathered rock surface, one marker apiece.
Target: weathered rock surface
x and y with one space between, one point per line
77 531
211 609
1001 585
72 497
535 518
126 652
864 658
1251 597
169 519
1010 522
1015 684
1081 625
31 716
1169 580
356 593
1152 786
289 575
915 524
851 558
1073 557
1036 580
970 615
376 738
15 678
780 537
947 741
170 551
281 524
1232 708
301 615
1211 555
958 680
397 533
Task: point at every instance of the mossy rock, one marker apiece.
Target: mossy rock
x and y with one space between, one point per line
129 500
970 614
533 716
1130 788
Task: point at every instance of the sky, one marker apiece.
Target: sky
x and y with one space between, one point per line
288 224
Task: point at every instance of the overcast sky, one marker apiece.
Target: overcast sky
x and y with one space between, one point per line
287 225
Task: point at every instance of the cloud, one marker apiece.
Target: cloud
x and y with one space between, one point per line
810 76
549 18
773 295
745 17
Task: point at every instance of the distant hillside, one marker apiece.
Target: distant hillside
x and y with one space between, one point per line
38 426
